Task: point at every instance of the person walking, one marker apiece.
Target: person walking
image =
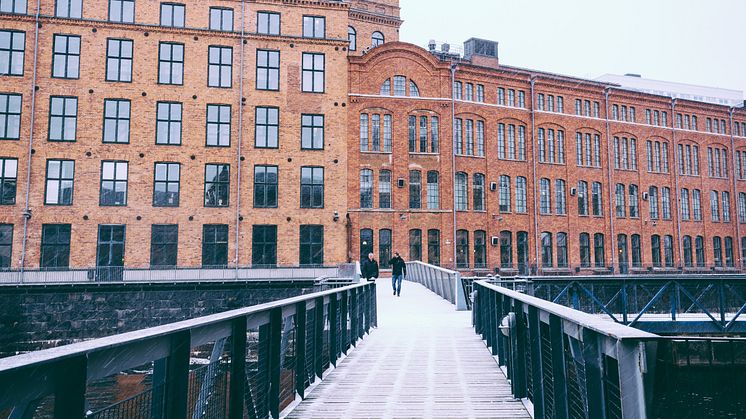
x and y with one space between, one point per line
399 271
370 268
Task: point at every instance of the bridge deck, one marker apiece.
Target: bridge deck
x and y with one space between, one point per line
423 360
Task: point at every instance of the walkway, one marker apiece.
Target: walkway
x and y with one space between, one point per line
423 360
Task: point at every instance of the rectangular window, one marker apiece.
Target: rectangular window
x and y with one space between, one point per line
504 197
433 247
268 23
267 70
119 60
312 132
697 204
66 57
217 185
122 11
6 245
596 199
726 207
545 199
480 93
110 252
415 244
10 116
170 63
264 246
166 185
314 27
423 134
219 66
312 187
666 203
13 6
172 14
164 245
387 134
480 138
265 186
113 183
116 121
218 125
462 194
540 102
168 123
457 134
457 88
520 195
221 19
501 96
59 182
469 91
214 245
521 99
433 190
55 246
364 132
311 245
8 180
12 52
313 72
266 127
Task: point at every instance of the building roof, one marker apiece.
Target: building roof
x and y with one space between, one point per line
693 92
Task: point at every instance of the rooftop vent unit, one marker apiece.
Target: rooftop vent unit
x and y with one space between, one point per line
446 47
431 45
633 75
481 52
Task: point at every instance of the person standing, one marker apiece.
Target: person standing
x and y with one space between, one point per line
399 271
370 268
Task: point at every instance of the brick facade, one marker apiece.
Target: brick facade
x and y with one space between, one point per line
353 84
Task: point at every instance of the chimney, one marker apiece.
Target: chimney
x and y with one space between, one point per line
481 52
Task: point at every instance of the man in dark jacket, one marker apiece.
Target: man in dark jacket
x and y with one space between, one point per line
370 268
399 271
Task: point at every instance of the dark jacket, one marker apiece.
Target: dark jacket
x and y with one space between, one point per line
369 269
398 266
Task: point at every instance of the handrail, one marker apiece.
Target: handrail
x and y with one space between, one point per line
444 282
335 319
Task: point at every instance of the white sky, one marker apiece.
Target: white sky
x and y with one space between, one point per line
688 41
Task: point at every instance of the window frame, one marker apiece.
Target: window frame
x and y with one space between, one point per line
171 63
64 116
266 186
167 182
267 126
60 248
9 183
313 72
269 15
219 124
221 11
173 7
12 52
220 184
10 117
313 245
117 120
122 17
314 20
119 59
170 245
169 141
310 188
66 56
115 181
61 179
219 66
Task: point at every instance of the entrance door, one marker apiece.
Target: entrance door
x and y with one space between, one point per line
110 253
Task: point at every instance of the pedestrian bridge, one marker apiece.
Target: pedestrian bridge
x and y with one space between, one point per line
384 356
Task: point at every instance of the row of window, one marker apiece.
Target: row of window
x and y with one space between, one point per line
657 118
171 61
367 245
114 184
63 118
465 91
546 103
164 245
432 189
465 135
376 39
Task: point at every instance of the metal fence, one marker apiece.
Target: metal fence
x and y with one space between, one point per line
446 283
260 358
168 274
659 304
567 363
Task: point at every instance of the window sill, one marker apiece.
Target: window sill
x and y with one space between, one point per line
375 153
420 153
470 156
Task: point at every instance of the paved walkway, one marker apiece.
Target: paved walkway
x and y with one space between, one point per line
423 360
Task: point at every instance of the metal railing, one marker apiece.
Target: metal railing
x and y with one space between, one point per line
261 357
567 363
446 283
167 274
659 304
524 269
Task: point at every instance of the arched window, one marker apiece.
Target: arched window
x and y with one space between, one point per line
415 244
504 193
352 38
546 250
366 188
384 189
378 39
585 250
386 88
400 86
478 191
687 251
462 194
366 243
433 247
480 249
562 250
462 249
655 250
717 251
599 250
506 249
414 91
699 251
433 190
384 248
521 239
622 251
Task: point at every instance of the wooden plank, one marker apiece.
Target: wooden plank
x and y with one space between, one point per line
423 360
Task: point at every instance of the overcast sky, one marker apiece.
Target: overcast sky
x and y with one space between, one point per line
688 41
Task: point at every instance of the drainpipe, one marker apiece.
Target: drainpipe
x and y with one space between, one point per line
453 157
240 138
735 190
532 81
676 172
27 210
610 173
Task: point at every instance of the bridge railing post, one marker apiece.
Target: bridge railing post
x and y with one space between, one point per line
559 374
177 376
238 368
300 349
318 337
333 336
275 345
537 376
70 387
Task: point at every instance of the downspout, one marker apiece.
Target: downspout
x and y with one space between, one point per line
737 218
240 137
676 172
453 158
532 81
610 174
27 210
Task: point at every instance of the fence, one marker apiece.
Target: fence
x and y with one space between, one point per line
447 284
261 356
162 274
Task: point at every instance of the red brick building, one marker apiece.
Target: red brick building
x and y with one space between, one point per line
548 173
285 133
